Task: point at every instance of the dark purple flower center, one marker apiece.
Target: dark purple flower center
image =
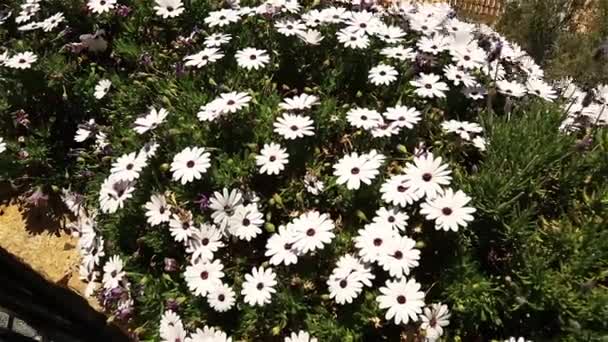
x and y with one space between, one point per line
343 283
310 232
169 9
401 299
205 242
391 219
287 246
246 222
130 166
204 275
294 128
190 164
260 286
401 188
253 57
377 242
446 211
221 298
398 255
272 158
428 86
355 171
427 177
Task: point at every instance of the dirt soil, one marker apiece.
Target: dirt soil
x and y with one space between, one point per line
43 245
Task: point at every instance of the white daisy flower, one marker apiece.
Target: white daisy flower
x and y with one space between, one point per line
232 102
204 57
272 159
403 299
181 228
113 272
464 129
353 170
364 118
511 88
480 143
217 40
476 92
290 27
403 116
429 85
168 321
204 277
391 217
382 74
259 286
207 334
390 34
313 18
204 242
250 58
427 175
344 289
190 164
113 194
310 36
542 89
401 256
127 167
363 22
349 265
385 130
311 231
22 60
301 336
102 88
224 205
434 319
448 210
222 17
150 121
157 210
279 247
458 76
246 221
293 126
397 192
334 15
433 45
353 39
52 22
469 57
101 6
168 8
299 102
373 241
221 298
399 52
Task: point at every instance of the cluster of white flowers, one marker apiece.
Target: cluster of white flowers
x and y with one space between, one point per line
383 243
583 108
28 10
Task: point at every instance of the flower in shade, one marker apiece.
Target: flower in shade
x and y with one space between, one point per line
272 159
203 277
435 317
217 39
222 17
190 164
208 334
23 60
344 288
246 221
101 89
403 299
448 210
373 241
259 286
203 242
391 217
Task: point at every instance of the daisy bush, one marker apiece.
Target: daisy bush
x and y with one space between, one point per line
309 171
